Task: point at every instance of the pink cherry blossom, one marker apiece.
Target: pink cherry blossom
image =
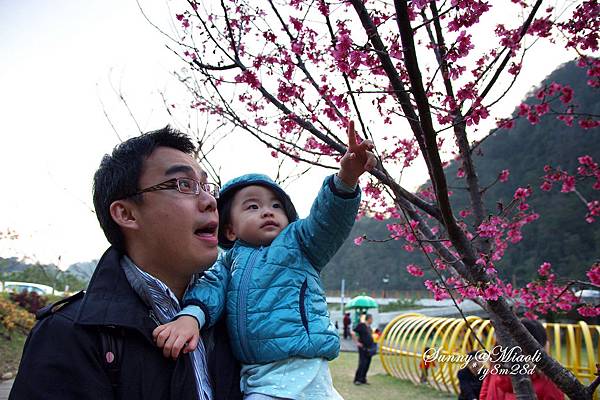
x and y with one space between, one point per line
594 274
414 270
492 292
544 269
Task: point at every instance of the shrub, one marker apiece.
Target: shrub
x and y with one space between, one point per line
13 317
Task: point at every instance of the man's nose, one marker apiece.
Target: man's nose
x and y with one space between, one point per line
206 202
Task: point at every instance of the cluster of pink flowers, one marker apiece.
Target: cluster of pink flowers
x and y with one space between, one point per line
593 66
398 231
414 270
461 48
248 77
544 295
439 292
286 91
594 274
589 311
314 144
582 28
287 125
185 22
503 176
509 38
593 211
505 230
478 112
468 13
588 168
406 150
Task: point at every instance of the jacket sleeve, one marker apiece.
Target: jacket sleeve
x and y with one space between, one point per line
208 293
329 223
61 361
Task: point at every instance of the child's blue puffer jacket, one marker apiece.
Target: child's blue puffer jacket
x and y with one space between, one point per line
273 299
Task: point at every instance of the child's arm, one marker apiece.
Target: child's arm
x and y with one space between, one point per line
205 301
175 336
334 210
204 304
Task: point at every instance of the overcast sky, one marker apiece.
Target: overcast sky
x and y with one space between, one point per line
60 60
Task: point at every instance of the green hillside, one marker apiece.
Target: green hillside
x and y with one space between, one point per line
561 236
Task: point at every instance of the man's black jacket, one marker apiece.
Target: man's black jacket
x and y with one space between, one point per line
63 356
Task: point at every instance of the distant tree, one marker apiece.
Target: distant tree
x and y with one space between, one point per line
48 275
291 73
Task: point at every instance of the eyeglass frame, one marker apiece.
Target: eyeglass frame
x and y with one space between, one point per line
168 185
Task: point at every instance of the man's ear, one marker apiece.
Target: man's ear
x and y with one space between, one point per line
122 212
229 233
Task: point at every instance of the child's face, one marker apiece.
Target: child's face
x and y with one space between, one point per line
257 216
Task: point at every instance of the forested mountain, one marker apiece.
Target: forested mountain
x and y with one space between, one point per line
561 236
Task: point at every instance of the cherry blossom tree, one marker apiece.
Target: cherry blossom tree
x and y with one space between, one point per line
291 73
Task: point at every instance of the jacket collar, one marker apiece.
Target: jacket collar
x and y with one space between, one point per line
111 301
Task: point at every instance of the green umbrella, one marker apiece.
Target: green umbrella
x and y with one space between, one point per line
362 302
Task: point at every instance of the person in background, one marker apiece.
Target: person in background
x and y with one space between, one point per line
424 367
366 349
499 387
347 322
470 379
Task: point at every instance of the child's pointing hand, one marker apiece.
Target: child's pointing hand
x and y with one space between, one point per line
358 158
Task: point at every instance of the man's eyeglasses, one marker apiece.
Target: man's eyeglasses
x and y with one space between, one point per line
183 185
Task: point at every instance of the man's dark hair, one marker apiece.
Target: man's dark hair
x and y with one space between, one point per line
536 329
119 173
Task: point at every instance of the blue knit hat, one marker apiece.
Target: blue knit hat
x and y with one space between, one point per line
229 189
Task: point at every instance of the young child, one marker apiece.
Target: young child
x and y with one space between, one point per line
424 366
268 283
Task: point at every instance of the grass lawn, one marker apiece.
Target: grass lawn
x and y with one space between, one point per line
10 352
382 386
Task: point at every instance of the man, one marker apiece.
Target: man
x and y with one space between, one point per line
366 349
159 215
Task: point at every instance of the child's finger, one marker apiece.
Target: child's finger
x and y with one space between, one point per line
351 135
178 345
192 344
371 161
161 338
158 330
169 346
367 144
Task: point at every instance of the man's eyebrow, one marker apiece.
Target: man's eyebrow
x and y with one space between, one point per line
179 168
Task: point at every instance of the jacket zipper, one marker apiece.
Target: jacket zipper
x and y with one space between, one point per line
303 305
242 297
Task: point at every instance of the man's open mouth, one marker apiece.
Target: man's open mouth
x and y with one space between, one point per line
209 229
